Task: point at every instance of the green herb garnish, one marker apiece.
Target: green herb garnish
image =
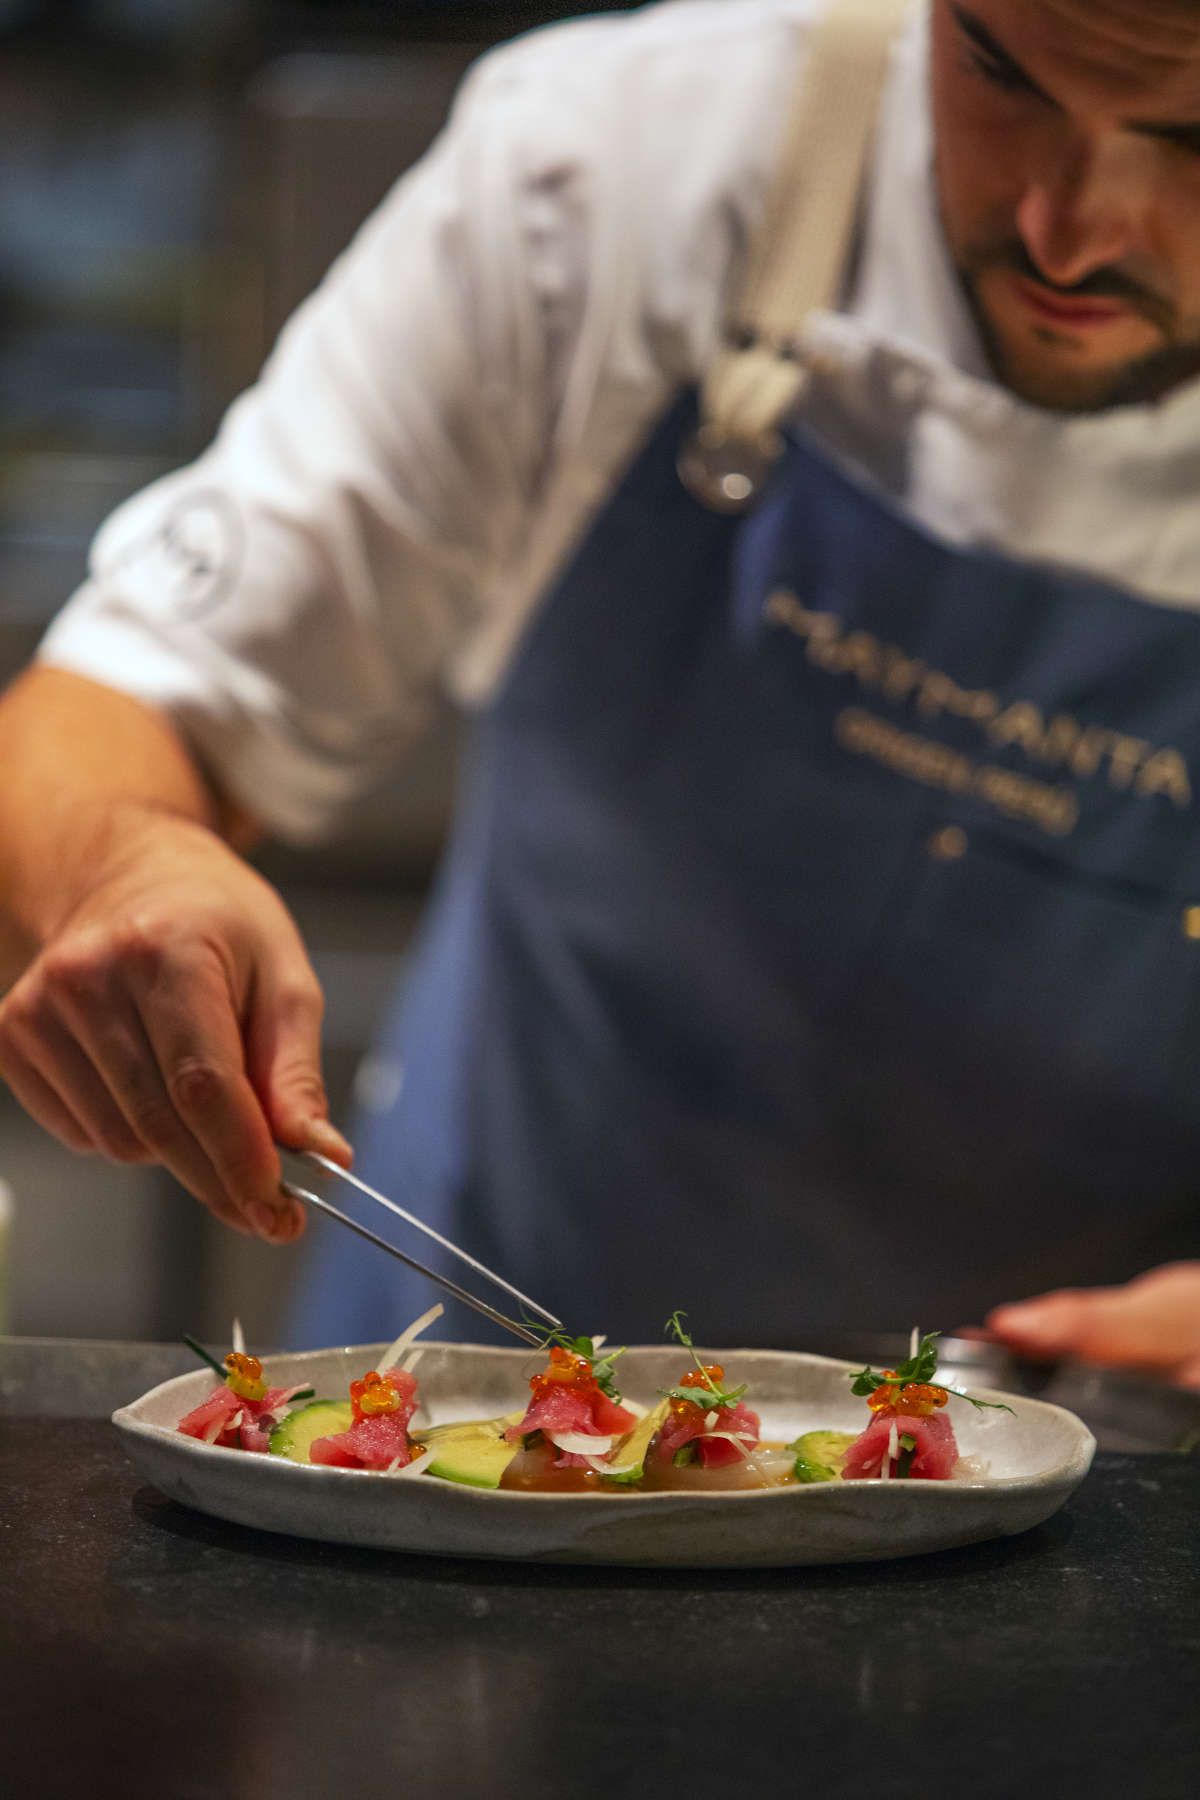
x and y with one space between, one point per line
919 1368
908 1449
710 1394
202 1353
602 1366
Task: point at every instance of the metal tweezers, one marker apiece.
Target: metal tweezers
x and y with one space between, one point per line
302 1167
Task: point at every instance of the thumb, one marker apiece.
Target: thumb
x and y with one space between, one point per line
283 1053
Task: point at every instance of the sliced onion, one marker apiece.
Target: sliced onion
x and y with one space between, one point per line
417 1466
581 1443
237 1338
391 1357
739 1440
773 1464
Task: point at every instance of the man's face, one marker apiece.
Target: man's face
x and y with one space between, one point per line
1068 170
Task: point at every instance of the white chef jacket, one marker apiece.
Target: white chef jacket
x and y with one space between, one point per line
379 516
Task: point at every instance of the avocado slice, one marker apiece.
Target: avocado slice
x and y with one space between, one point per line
475 1453
820 1454
294 1436
633 1447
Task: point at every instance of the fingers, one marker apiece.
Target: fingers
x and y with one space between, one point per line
80 1086
1187 1375
193 1054
1153 1322
283 1053
142 1061
41 1102
143 1087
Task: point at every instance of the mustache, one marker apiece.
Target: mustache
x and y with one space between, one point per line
1101 284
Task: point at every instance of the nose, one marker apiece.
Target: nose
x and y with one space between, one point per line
1074 216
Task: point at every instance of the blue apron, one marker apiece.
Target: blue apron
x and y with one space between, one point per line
813 948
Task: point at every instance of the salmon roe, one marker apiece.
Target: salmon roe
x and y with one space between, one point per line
709 1376
245 1376
916 1398
565 1370
373 1395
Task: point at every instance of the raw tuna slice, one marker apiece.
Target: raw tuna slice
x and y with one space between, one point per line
936 1452
227 1419
719 1452
376 1440
567 1409
210 1420
374 1443
713 1452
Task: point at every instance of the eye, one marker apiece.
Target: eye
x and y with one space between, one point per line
999 74
1184 138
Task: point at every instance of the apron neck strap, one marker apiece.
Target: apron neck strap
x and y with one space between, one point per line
799 255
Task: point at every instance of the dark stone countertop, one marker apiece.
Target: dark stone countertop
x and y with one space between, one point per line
152 1653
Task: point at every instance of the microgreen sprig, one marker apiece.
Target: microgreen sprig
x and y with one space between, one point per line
717 1396
602 1366
920 1367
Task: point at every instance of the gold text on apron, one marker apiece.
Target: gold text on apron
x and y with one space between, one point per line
1129 765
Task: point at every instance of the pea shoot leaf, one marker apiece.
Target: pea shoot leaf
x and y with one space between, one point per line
709 1395
705 1397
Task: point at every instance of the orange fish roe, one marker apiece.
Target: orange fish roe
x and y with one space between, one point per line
245 1376
917 1398
373 1395
707 1377
566 1369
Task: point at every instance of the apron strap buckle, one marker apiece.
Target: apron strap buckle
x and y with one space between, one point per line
728 474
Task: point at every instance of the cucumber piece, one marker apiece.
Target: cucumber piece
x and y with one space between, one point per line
820 1454
294 1436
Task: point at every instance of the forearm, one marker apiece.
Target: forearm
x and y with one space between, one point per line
75 758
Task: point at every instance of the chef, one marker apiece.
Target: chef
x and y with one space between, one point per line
778 421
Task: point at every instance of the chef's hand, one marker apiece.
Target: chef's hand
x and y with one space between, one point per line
1152 1324
173 1017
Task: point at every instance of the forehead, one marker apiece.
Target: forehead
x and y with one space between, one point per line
1139 59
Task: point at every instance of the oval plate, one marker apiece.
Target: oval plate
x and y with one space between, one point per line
1035 1460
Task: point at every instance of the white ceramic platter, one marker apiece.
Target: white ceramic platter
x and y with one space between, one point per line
1035 1460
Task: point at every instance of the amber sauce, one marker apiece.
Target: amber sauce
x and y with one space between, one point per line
533 1472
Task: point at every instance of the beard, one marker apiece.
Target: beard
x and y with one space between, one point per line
1055 382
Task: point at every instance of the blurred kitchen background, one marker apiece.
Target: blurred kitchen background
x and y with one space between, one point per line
175 175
